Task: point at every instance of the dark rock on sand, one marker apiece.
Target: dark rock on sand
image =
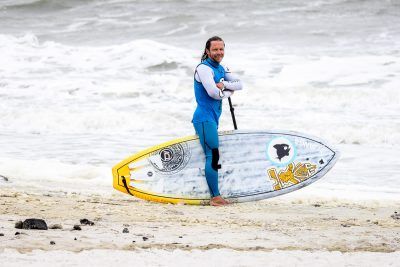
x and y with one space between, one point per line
1 234
55 226
125 231
395 216
18 225
17 233
86 222
34 224
145 238
52 243
3 178
77 227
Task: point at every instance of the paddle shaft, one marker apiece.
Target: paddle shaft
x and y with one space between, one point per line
232 113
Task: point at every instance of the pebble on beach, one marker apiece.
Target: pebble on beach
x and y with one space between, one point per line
18 225
395 216
77 227
55 226
125 231
32 224
86 222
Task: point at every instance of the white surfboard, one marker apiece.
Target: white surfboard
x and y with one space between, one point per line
255 165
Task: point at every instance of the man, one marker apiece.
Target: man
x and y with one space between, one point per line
212 83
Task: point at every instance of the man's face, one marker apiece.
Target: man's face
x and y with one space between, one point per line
216 52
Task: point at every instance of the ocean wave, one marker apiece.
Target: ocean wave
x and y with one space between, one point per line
20 3
37 4
27 55
151 83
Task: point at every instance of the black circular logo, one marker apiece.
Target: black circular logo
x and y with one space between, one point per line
172 159
166 154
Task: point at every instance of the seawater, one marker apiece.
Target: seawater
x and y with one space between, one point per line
84 84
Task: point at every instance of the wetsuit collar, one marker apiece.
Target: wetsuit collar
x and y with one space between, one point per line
215 64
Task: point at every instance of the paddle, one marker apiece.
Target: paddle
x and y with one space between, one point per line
232 113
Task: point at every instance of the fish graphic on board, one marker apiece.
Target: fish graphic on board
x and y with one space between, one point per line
282 150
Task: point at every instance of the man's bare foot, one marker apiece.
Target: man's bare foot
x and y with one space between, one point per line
218 201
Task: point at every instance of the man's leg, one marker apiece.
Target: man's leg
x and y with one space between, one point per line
208 135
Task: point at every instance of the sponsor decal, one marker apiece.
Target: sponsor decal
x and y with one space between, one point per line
281 151
171 159
293 174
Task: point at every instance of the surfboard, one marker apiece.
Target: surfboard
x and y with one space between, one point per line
255 165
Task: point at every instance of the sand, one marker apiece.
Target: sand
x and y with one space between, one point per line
270 228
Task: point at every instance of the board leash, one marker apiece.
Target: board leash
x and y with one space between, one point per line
126 186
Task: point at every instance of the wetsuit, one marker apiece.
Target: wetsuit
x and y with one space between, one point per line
209 107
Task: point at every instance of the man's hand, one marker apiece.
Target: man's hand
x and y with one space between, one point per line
220 86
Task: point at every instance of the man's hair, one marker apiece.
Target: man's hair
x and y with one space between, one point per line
208 44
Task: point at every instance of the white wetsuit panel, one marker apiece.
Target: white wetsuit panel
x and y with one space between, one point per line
205 75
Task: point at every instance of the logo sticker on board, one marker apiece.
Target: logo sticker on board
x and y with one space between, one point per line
292 175
172 159
281 151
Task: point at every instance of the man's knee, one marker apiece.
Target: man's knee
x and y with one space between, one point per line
215 159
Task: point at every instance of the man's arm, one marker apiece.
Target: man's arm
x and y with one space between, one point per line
204 74
232 82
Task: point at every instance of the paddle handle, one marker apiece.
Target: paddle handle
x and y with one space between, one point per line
232 113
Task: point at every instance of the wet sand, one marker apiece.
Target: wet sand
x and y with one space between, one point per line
279 223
